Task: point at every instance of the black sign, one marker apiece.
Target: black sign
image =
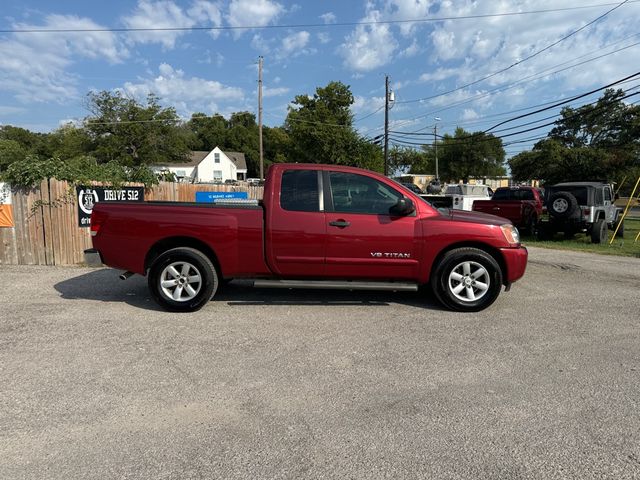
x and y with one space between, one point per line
89 196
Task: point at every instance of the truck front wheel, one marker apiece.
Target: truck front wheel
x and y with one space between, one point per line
182 280
467 280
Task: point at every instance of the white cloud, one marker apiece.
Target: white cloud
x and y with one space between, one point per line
406 10
324 37
294 45
412 50
34 67
364 105
186 94
328 17
439 75
274 92
252 13
167 14
469 114
369 46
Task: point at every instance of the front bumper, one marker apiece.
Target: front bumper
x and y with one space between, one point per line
515 260
92 257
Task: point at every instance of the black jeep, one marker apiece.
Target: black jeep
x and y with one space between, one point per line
574 207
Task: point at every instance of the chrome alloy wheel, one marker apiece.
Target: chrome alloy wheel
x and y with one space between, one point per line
180 281
560 205
469 281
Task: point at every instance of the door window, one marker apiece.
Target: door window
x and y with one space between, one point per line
352 193
299 191
607 194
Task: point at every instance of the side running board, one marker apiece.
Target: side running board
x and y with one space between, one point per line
337 285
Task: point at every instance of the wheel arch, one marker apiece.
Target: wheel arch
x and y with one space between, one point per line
180 241
493 251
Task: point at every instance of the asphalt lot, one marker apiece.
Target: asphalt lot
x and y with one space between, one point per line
97 383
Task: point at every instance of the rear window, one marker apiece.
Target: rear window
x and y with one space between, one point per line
299 191
577 191
502 195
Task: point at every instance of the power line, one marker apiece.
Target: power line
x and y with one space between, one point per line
564 102
529 57
305 25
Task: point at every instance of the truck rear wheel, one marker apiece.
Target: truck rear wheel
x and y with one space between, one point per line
467 280
182 280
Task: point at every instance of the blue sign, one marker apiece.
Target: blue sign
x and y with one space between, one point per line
211 197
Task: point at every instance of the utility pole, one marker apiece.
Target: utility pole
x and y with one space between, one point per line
435 144
386 125
260 116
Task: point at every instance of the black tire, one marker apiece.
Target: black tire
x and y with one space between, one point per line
191 263
599 232
562 205
446 287
529 226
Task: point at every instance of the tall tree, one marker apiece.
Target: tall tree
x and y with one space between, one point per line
321 130
130 133
599 141
464 155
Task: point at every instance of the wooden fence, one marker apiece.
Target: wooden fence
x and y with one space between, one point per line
46 228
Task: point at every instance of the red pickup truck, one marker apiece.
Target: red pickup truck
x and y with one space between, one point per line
521 205
318 226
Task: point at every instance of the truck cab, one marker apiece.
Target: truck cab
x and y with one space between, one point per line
318 226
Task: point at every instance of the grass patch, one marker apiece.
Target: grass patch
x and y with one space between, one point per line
582 243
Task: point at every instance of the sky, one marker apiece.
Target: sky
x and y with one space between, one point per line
452 63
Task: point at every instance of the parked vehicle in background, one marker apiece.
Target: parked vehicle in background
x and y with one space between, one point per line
575 207
413 187
463 195
319 226
522 205
253 181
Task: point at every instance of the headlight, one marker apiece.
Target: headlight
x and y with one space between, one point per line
511 234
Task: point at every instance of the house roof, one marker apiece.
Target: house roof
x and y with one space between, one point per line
197 156
238 159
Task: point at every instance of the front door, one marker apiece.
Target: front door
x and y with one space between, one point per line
363 239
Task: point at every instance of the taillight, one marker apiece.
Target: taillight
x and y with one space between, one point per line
586 211
97 219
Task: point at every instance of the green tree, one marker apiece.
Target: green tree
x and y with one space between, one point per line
464 155
69 141
599 141
321 130
208 132
11 151
129 133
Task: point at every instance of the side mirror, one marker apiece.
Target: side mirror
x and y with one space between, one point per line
403 208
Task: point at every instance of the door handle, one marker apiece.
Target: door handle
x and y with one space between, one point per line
340 223
496 208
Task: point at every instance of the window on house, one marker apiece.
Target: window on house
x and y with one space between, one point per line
217 175
216 157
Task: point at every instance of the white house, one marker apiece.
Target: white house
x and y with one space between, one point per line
204 167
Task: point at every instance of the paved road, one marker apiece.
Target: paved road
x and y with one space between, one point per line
96 383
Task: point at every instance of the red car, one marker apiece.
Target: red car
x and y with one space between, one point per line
521 205
319 226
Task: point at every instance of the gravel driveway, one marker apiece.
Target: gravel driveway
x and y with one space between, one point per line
97 383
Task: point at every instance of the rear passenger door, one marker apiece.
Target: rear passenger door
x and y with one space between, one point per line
296 227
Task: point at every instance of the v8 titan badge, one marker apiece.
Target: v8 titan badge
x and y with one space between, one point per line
89 196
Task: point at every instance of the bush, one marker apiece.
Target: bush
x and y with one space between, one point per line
31 170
